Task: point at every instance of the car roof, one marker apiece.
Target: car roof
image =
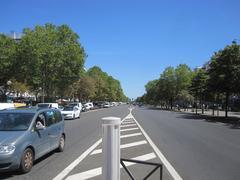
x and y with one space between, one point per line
25 110
20 110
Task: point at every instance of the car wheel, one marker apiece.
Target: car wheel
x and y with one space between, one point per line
61 144
27 161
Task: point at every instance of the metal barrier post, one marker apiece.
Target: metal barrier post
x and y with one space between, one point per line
111 148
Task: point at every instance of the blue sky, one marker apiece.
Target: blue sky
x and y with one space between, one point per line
134 40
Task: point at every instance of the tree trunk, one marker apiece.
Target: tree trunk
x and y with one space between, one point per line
171 103
202 105
226 104
213 109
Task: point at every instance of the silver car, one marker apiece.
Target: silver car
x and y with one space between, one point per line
28 134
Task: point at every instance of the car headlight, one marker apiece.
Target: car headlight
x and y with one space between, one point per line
5 149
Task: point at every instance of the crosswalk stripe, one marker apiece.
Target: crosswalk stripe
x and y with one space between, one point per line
138 143
130 135
98 171
130 122
130 129
128 125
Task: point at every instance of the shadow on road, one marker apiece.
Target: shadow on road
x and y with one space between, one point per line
232 122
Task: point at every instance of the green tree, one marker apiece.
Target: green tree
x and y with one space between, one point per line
183 78
168 88
8 49
85 88
199 86
152 91
107 88
18 87
224 72
50 58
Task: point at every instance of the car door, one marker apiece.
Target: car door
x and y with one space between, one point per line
41 141
76 111
54 119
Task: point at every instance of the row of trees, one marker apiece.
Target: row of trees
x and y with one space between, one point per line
218 81
97 85
49 61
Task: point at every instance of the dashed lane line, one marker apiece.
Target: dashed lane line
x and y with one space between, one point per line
98 171
138 143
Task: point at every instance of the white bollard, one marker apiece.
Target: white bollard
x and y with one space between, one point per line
111 148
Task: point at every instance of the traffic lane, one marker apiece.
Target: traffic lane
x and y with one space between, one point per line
196 148
80 135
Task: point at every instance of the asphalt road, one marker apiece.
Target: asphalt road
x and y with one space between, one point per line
81 134
197 149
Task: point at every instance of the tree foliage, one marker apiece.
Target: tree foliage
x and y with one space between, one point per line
219 77
8 49
106 87
50 58
224 72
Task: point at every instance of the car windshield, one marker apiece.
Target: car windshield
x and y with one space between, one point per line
15 121
70 108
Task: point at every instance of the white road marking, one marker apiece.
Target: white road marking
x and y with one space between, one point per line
98 171
138 143
145 157
164 160
128 125
68 169
129 122
130 135
130 129
86 175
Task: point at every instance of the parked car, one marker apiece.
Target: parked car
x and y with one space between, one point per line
48 105
71 112
98 104
27 135
107 105
77 104
89 105
86 107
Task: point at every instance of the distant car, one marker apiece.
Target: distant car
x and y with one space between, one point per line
89 105
71 112
48 105
27 135
86 107
107 105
